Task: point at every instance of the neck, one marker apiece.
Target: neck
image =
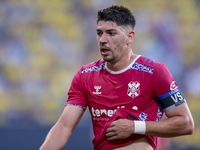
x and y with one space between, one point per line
123 62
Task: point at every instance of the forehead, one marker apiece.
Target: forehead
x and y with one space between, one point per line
108 25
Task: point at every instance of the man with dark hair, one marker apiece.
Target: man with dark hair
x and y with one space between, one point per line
122 16
126 94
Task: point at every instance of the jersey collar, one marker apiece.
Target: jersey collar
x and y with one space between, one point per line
123 70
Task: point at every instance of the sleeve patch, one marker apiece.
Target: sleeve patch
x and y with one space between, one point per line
171 100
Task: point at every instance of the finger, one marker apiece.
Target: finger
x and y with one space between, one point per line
111 125
112 138
110 129
110 134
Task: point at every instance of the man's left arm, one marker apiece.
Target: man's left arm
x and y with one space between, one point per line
179 122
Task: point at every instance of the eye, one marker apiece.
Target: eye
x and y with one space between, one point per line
99 33
111 33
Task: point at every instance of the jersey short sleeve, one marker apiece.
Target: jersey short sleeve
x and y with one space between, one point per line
165 89
162 80
76 94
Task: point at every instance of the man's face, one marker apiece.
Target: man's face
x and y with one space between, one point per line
111 39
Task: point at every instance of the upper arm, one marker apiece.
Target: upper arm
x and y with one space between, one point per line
77 93
61 131
170 98
71 116
183 117
182 110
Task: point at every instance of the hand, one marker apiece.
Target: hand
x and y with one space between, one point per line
120 129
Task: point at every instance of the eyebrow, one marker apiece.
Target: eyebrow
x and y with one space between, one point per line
109 30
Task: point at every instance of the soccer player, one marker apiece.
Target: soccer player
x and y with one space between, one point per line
126 94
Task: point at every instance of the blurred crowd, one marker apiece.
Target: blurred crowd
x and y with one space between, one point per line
43 44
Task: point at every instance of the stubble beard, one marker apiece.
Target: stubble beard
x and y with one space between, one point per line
109 58
113 56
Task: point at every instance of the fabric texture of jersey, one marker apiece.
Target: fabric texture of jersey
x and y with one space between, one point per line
104 91
100 142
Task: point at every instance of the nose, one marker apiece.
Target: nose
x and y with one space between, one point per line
103 39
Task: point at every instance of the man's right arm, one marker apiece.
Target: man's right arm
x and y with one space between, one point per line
61 131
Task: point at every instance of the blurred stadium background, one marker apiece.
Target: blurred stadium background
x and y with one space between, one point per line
43 43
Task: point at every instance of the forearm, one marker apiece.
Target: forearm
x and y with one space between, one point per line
56 138
170 127
179 122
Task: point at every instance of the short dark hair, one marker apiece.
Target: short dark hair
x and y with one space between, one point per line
118 14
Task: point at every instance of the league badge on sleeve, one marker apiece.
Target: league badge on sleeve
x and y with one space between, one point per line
173 85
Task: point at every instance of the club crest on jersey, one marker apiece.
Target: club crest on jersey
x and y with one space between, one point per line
133 89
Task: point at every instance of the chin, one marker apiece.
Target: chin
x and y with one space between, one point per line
108 59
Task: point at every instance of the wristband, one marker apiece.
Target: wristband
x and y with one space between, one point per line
140 127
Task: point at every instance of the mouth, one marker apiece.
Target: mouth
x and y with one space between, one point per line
104 50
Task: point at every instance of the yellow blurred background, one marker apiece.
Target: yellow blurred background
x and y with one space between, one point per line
43 43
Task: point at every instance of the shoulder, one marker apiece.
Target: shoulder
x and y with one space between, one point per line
94 66
149 64
148 61
88 69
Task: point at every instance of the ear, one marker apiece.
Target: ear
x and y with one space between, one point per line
130 37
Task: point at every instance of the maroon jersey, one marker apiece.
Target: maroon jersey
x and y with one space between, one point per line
145 86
